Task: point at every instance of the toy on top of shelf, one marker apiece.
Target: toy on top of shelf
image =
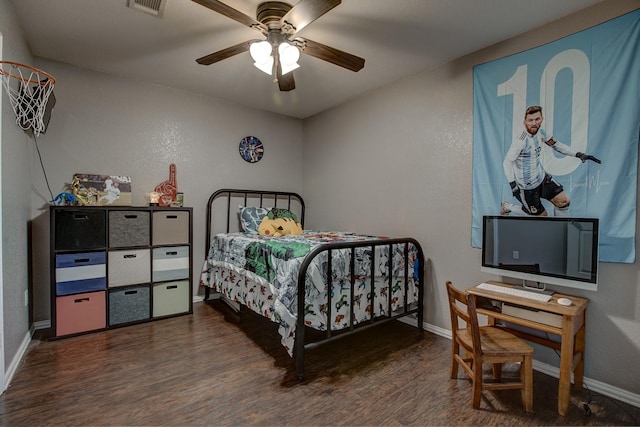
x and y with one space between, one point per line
70 196
168 189
64 199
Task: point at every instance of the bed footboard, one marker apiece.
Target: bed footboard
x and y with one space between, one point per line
409 307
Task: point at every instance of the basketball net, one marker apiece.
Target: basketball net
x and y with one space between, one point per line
29 89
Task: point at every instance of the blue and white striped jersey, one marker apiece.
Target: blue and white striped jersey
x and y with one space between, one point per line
523 162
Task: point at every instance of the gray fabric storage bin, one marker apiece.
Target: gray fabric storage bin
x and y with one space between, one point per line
129 228
129 304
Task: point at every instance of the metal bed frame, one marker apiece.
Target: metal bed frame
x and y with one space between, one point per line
293 200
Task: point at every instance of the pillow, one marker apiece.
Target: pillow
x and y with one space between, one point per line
251 217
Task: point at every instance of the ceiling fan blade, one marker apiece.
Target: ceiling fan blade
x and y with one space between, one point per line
285 81
307 11
225 53
331 54
229 12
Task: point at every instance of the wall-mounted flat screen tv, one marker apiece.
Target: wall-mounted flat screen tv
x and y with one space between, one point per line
547 250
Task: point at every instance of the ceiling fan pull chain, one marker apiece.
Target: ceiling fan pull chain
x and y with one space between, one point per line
274 72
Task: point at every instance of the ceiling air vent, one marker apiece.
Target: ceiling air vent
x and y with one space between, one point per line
152 7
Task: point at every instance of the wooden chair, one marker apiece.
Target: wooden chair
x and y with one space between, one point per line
486 344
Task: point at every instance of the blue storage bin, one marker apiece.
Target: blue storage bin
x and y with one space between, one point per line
81 272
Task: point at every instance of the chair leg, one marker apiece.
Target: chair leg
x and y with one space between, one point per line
476 384
455 349
526 375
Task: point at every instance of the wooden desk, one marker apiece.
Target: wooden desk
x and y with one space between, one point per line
570 327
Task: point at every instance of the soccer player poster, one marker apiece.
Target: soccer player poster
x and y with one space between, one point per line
555 132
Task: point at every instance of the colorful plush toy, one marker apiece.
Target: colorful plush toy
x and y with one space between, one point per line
279 227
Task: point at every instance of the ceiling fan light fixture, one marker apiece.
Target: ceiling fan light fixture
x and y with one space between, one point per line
289 55
288 68
279 22
265 67
261 54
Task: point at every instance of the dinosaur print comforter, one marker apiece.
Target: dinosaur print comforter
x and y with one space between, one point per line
262 273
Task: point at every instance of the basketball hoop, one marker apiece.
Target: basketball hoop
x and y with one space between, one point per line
29 89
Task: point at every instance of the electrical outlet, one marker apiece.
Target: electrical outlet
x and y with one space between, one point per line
516 254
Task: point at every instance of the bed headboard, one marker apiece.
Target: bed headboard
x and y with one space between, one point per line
224 204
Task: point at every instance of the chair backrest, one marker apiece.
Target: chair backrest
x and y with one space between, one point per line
462 307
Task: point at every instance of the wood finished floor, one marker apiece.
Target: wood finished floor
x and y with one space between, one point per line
216 368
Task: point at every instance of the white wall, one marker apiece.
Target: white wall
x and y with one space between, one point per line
112 126
398 161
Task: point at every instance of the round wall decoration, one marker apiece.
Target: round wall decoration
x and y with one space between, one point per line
251 149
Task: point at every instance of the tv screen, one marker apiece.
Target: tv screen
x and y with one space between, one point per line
547 250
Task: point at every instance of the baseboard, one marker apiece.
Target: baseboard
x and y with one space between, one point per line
409 320
43 324
13 367
445 333
593 385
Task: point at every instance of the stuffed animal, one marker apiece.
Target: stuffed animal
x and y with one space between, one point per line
279 227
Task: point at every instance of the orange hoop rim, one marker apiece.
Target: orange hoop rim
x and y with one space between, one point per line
51 81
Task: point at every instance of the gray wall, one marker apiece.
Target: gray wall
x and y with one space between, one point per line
107 125
17 152
398 161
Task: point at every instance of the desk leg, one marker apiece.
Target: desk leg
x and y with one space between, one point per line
566 362
578 373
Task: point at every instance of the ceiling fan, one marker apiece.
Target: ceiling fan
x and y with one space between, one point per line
279 22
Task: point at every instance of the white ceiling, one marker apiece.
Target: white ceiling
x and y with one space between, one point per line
398 38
